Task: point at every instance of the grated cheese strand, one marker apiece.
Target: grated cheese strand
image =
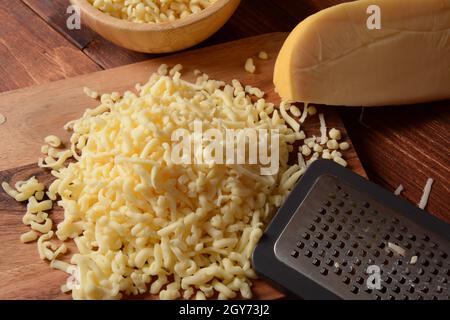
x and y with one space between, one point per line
426 194
399 190
323 129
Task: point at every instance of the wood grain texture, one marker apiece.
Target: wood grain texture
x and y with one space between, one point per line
54 13
406 145
42 110
100 50
32 52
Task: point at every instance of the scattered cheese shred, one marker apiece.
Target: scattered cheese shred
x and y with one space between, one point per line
426 193
295 111
90 93
301 161
254 91
263 55
306 151
25 189
396 249
9 190
42 228
326 155
250 65
304 114
313 158
310 140
291 121
312 110
39 195
29 236
339 160
399 190
344 146
2 119
61 265
332 144
323 129
335 134
53 141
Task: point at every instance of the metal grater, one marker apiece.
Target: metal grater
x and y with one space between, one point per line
335 224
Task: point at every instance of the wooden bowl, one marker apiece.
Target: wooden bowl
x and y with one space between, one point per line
158 37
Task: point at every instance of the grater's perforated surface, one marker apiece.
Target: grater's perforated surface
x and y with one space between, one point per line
336 233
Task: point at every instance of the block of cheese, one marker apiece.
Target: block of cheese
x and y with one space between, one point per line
333 58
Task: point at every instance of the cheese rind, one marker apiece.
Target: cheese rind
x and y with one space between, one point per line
333 58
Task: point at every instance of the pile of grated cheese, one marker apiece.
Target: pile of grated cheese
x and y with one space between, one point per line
143 224
151 11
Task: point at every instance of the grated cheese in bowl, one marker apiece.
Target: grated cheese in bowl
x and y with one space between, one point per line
150 11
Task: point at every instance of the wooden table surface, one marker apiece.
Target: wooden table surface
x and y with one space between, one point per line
397 145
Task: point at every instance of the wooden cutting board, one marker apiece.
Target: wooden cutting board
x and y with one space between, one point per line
33 113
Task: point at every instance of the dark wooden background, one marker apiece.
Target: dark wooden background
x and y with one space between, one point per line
397 145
